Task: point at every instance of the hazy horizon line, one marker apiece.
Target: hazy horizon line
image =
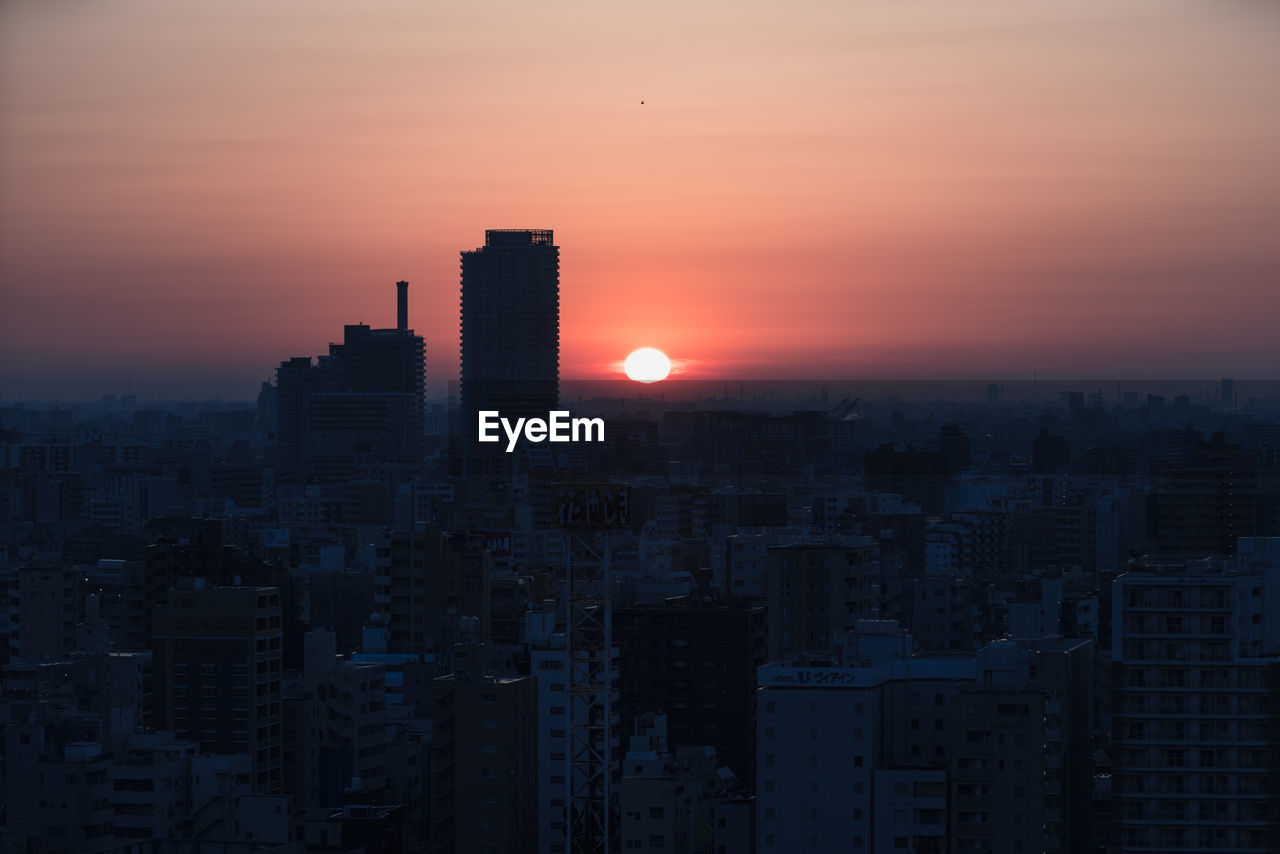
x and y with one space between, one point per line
1106 385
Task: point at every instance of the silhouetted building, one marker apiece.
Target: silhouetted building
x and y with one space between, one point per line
483 759
510 328
43 610
1020 762
972 546
1204 505
57 788
1049 454
989 752
816 593
426 582
697 666
361 404
920 477
216 672
335 727
1196 678
943 614
956 446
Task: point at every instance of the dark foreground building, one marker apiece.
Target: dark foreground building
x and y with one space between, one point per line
217 669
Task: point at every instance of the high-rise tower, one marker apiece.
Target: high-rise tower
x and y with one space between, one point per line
510 326
363 403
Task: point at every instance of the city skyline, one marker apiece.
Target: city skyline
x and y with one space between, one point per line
1081 191
857 428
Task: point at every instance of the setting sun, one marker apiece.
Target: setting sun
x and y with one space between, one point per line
647 365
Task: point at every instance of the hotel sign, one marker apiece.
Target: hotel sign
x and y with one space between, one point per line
592 506
815 677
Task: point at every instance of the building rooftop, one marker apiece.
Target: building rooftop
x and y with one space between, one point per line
518 237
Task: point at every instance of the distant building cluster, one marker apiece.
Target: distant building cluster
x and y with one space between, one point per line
334 622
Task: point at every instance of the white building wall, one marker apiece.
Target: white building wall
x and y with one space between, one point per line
551 668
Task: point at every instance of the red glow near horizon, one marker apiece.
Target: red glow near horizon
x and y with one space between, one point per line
194 192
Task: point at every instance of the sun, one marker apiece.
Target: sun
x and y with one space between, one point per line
647 365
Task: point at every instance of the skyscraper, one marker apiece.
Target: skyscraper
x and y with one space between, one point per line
362 403
510 326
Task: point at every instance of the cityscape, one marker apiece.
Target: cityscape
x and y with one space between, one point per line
739 430
333 620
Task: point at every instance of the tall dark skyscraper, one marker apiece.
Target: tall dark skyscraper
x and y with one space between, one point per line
510 326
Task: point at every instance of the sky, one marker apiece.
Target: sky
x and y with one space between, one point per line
192 192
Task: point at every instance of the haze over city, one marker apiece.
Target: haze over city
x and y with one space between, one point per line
575 428
978 190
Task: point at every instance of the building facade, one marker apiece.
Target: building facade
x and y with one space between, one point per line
217 655
1195 716
510 309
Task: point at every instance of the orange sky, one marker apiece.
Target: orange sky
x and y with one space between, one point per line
192 192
